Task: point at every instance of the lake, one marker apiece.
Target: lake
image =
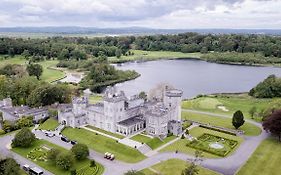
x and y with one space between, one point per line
194 77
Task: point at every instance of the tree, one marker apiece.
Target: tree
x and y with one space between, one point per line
24 138
143 95
8 126
9 166
93 163
118 53
192 169
34 70
24 121
134 172
272 123
80 151
253 111
25 54
65 160
52 154
238 119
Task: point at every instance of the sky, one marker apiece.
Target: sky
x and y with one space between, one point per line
166 14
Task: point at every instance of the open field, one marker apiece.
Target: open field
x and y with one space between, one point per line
153 55
231 103
106 132
50 124
104 144
48 75
174 167
265 160
50 166
248 128
152 143
180 145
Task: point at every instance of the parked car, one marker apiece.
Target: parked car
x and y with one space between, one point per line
26 167
35 171
109 156
63 138
49 134
73 142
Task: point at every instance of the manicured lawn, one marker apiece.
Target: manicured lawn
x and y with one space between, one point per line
265 160
180 145
50 166
106 132
50 74
141 138
250 129
95 98
232 103
154 55
175 167
104 144
153 143
50 124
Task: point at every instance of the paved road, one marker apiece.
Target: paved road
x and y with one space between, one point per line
227 166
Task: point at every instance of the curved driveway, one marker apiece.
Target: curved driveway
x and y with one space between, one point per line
228 165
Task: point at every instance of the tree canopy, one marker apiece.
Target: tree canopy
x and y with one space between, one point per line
34 70
272 123
238 119
80 151
24 138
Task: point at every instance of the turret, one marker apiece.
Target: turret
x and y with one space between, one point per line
172 101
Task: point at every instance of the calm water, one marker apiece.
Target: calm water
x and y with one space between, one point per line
194 77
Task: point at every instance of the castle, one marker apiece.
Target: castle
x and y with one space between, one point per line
126 116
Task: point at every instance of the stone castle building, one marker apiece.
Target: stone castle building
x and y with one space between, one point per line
120 114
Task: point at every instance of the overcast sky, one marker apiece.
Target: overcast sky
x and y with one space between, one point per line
184 14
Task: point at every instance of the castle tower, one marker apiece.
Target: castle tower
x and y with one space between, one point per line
114 107
79 105
172 101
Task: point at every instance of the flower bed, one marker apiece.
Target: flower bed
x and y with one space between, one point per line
38 154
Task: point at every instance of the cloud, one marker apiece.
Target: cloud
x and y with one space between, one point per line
145 13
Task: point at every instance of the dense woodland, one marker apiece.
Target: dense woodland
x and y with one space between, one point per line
65 48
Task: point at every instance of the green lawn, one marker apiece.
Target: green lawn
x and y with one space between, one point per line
152 143
265 160
17 59
232 103
154 55
250 129
180 145
104 144
141 138
48 75
50 166
50 124
175 167
106 132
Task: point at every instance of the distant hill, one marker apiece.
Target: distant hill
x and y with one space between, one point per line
127 31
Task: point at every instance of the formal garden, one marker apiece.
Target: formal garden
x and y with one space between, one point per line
213 144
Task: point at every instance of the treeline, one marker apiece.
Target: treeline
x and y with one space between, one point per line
65 48
240 58
269 88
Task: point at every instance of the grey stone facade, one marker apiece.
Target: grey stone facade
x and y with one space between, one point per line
13 113
120 114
